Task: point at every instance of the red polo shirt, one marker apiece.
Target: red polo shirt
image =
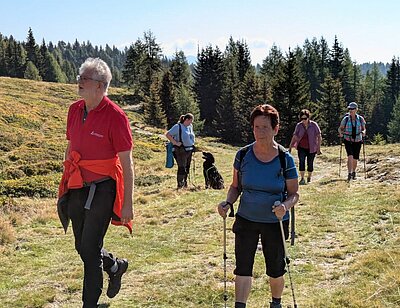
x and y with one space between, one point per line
105 132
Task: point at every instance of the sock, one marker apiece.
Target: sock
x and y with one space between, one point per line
276 300
114 268
240 305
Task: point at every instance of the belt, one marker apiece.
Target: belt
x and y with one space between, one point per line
92 190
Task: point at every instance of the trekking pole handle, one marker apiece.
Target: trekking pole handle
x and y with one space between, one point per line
232 211
278 203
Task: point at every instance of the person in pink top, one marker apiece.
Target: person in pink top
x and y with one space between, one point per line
307 140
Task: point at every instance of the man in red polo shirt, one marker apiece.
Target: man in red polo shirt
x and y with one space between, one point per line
98 178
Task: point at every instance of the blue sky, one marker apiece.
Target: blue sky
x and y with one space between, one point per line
370 29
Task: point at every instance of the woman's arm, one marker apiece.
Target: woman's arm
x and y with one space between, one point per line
173 141
292 187
231 197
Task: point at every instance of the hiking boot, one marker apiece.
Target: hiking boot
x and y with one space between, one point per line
308 180
353 175
302 182
349 177
114 280
274 305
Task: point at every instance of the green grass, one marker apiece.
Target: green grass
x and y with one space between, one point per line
346 252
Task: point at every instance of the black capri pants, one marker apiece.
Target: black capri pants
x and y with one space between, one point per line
303 154
352 148
247 234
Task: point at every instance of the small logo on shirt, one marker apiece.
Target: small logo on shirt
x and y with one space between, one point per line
93 133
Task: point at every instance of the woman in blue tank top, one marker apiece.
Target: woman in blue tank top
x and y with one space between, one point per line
262 185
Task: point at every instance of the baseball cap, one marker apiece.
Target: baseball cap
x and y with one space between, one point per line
352 105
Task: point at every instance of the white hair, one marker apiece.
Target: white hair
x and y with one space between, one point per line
99 70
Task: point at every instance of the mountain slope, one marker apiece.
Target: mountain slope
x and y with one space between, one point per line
346 252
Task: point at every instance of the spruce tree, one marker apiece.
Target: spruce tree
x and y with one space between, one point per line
394 124
167 98
31 72
336 60
291 97
180 70
185 102
143 64
227 118
32 49
272 70
332 109
209 78
153 112
311 51
250 97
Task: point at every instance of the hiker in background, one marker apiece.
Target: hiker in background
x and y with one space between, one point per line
353 129
182 137
262 184
98 178
307 140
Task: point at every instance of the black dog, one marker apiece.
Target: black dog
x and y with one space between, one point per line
211 175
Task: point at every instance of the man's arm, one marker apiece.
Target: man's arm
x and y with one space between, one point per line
128 173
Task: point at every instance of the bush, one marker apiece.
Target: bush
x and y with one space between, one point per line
35 186
378 139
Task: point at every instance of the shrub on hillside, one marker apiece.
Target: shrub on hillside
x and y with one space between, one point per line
34 186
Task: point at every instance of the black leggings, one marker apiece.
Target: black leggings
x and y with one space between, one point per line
303 154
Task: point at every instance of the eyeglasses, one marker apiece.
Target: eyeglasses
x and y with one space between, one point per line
303 118
84 78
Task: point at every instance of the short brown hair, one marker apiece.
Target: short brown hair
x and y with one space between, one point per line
265 110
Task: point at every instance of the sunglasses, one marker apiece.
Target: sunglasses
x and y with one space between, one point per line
352 108
303 118
80 78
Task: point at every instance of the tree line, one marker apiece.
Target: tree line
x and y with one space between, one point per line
54 62
222 87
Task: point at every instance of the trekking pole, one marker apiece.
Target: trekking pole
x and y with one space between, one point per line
287 260
340 156
231 214
365 166
225 257
292 226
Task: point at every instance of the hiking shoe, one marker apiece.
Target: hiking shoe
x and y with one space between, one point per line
302 182
114 280
353 175
349 177
274 305
308 180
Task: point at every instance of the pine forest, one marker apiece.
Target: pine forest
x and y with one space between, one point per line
223 86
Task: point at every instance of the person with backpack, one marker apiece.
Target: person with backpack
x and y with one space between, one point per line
352 129
181 135
260 181
307 140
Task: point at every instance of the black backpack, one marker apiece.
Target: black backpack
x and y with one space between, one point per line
282 159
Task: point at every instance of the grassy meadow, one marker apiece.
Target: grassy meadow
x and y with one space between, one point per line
346 252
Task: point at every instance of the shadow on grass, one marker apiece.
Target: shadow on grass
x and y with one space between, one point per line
104 305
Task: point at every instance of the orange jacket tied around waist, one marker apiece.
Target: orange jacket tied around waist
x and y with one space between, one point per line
72 179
